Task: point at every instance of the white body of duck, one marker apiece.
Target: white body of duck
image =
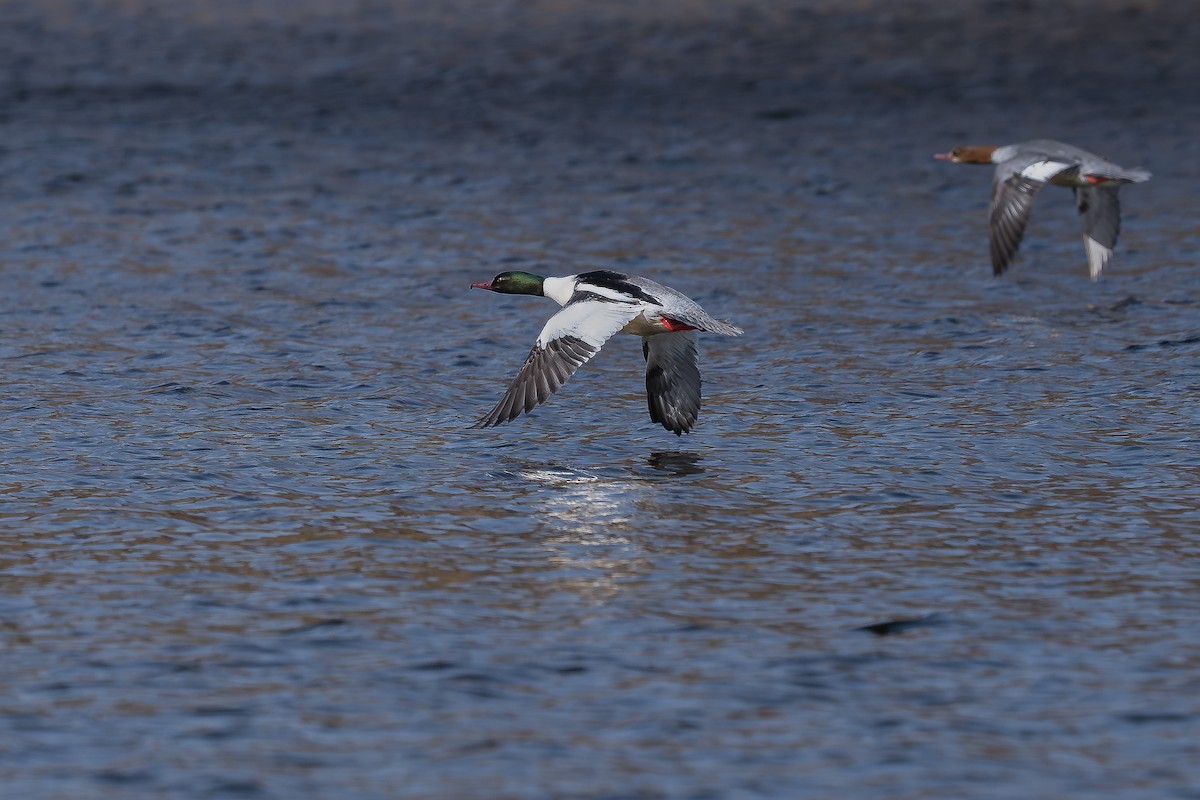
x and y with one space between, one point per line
1022 169
595 306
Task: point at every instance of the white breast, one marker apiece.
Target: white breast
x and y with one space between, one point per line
559 289
641 325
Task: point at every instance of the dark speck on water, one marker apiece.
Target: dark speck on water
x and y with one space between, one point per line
894 626
934 535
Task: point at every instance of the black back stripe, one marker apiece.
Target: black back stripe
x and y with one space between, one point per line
584 296
618 282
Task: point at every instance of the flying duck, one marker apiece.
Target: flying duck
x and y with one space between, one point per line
1022 169
596 305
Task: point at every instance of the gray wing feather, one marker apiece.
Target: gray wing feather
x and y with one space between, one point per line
1012 201
568 340
543 373
672 380
1100 212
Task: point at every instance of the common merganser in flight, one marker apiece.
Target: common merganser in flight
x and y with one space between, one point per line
596 305
1022 169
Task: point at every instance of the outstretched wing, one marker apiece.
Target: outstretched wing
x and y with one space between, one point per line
569 339
1100 212
1013 188
672 380
1012 201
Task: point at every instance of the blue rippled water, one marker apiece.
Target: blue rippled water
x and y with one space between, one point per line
934 535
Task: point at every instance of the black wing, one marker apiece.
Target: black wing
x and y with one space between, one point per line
672 380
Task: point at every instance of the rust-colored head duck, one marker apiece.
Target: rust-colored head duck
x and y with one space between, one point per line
1022 169
973 154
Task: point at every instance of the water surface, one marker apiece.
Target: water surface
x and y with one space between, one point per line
934 535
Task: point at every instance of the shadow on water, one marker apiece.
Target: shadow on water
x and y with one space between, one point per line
892 627
678 464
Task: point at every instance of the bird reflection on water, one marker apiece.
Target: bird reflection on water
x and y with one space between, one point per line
676 463
594 515
589 507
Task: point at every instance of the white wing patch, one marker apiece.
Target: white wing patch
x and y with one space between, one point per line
1097 254
1043 170
593 321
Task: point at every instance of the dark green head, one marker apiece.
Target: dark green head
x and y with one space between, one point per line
513 283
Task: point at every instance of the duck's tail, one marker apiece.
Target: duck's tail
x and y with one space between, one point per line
722 327
1135 175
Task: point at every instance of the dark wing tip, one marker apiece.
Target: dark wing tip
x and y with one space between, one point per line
1000 262
678 420
490 420
497 416
1003 244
